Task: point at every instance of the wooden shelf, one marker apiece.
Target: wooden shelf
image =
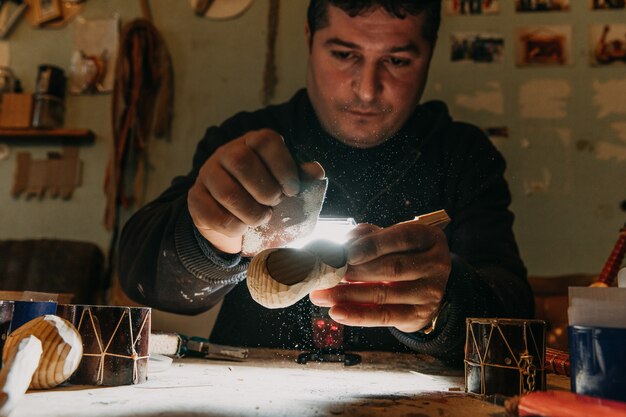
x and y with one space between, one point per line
67 136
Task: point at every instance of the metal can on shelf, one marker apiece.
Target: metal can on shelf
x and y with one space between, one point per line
48 111
51 81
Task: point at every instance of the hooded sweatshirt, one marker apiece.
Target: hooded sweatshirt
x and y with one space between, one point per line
432 163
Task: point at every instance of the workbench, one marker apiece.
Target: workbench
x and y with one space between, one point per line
270 383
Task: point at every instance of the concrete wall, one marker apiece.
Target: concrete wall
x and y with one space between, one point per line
567 170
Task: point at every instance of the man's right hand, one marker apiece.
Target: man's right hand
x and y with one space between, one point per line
239 184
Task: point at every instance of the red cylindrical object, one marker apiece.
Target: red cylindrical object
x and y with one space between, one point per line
567 404
611 266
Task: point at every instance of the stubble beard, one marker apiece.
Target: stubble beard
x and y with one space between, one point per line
341 131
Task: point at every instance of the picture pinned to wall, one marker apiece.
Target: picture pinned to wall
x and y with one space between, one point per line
468 7
52 14
607 44
542 5
94 55
46 10
607 4
10 14
477 47
544 46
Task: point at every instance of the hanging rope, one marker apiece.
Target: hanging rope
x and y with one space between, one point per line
270 80
142 105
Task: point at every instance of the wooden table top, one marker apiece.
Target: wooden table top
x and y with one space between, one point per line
270 383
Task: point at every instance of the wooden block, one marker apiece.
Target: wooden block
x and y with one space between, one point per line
16 110
64 298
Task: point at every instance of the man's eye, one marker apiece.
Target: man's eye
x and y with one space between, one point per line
342 55
399 62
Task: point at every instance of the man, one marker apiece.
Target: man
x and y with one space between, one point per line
387 159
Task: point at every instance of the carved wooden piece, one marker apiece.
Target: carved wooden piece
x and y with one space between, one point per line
278 278
58 175
20 363
62 349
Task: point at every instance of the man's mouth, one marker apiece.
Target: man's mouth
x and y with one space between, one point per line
365 113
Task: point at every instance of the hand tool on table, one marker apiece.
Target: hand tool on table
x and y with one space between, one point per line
179 345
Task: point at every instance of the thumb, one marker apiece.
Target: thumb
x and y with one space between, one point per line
361 230
312 171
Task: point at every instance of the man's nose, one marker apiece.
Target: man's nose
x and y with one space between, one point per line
367 82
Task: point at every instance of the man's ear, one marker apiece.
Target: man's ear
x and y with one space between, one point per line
307 34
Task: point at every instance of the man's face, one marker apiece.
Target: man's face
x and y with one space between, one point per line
366 74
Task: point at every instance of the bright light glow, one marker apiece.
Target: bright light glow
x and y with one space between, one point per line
334 229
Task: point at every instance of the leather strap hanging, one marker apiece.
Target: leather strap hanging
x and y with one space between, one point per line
142 106
269 74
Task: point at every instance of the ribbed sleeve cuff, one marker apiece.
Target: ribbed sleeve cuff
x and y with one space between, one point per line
464 299
200 258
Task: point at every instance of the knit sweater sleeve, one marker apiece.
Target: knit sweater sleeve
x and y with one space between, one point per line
488 278
466 296
164 262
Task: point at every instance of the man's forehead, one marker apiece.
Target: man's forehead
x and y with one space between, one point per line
373 23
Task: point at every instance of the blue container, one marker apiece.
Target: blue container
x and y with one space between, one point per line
25 311
598 361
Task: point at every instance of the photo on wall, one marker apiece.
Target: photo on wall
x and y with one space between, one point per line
469 7
607 4
607 44
476 47
542 5
544 45
46 10
94 55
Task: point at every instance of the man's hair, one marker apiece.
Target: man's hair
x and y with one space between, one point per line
317 14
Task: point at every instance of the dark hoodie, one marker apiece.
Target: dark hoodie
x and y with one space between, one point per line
432 163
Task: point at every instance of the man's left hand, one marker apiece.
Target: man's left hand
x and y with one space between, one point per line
396 277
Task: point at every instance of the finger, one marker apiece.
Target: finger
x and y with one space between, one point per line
402 237
235 199
360 230
271 148
208 215
408 292
407 318
247 168
407 266
312 171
